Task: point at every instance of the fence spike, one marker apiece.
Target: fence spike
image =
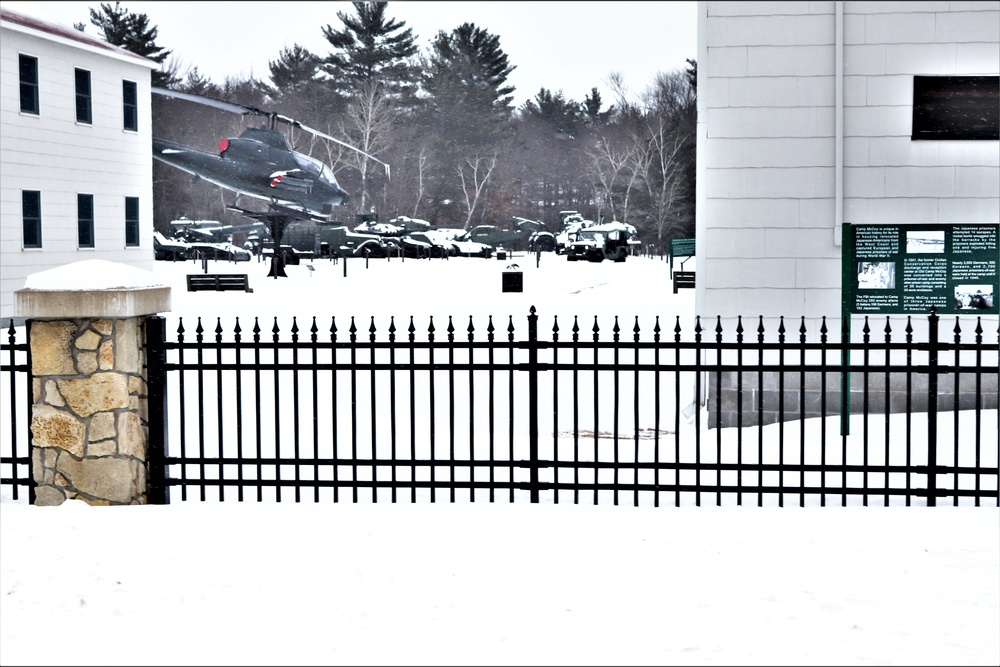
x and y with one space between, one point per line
256 330
313 330
237 330
760 329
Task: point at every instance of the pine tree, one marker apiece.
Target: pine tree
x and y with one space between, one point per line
294 69
132 32
465 77
562 115
371 48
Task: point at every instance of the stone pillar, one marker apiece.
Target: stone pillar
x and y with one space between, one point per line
86 330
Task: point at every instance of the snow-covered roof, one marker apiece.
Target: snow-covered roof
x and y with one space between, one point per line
16 20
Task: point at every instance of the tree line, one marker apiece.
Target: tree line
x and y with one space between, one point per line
443 117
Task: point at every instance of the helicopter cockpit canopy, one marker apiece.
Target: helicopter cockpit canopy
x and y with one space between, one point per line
313 166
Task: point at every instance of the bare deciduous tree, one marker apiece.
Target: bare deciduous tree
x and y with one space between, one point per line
473 176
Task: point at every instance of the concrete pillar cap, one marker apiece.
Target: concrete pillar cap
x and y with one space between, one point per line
91 288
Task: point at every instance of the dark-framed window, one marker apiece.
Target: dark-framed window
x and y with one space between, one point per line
83 97
31 218
131 221
956 107
27 69
130 105
85 220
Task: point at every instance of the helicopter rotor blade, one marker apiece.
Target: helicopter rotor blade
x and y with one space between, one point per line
209 101
338 141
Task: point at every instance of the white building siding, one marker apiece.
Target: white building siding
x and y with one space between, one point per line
768 141
54 154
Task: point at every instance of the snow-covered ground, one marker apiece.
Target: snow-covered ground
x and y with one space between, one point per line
475 583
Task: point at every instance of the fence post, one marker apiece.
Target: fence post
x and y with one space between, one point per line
533 401
89 413
156 399
932 406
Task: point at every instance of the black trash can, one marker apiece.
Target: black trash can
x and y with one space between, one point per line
513 279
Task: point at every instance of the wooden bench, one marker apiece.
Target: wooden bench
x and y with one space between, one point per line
683 279
680 248
197 282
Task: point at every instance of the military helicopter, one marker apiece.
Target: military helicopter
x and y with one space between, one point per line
259 163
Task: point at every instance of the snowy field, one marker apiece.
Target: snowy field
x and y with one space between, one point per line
481 584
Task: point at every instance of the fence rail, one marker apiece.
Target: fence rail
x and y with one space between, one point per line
581 416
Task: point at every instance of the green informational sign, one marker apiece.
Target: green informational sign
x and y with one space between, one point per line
910 268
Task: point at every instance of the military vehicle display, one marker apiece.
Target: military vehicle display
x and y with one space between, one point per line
597 243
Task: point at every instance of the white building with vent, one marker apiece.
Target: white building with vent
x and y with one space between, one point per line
809 117
76 168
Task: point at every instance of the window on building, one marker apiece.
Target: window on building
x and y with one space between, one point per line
83 97
27 67
85 220
130 105
956 107
31 218
131 221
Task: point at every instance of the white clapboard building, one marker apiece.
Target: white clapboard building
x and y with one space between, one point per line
809 118
76 169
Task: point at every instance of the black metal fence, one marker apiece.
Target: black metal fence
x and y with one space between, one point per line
15 417
584 413
579 415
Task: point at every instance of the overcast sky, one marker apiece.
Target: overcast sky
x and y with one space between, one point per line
571 47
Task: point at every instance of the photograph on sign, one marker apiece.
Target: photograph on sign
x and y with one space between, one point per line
920 241
876 275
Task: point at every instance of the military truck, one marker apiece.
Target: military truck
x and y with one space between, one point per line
597 243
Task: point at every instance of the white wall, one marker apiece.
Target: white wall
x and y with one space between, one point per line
59 157
778 100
